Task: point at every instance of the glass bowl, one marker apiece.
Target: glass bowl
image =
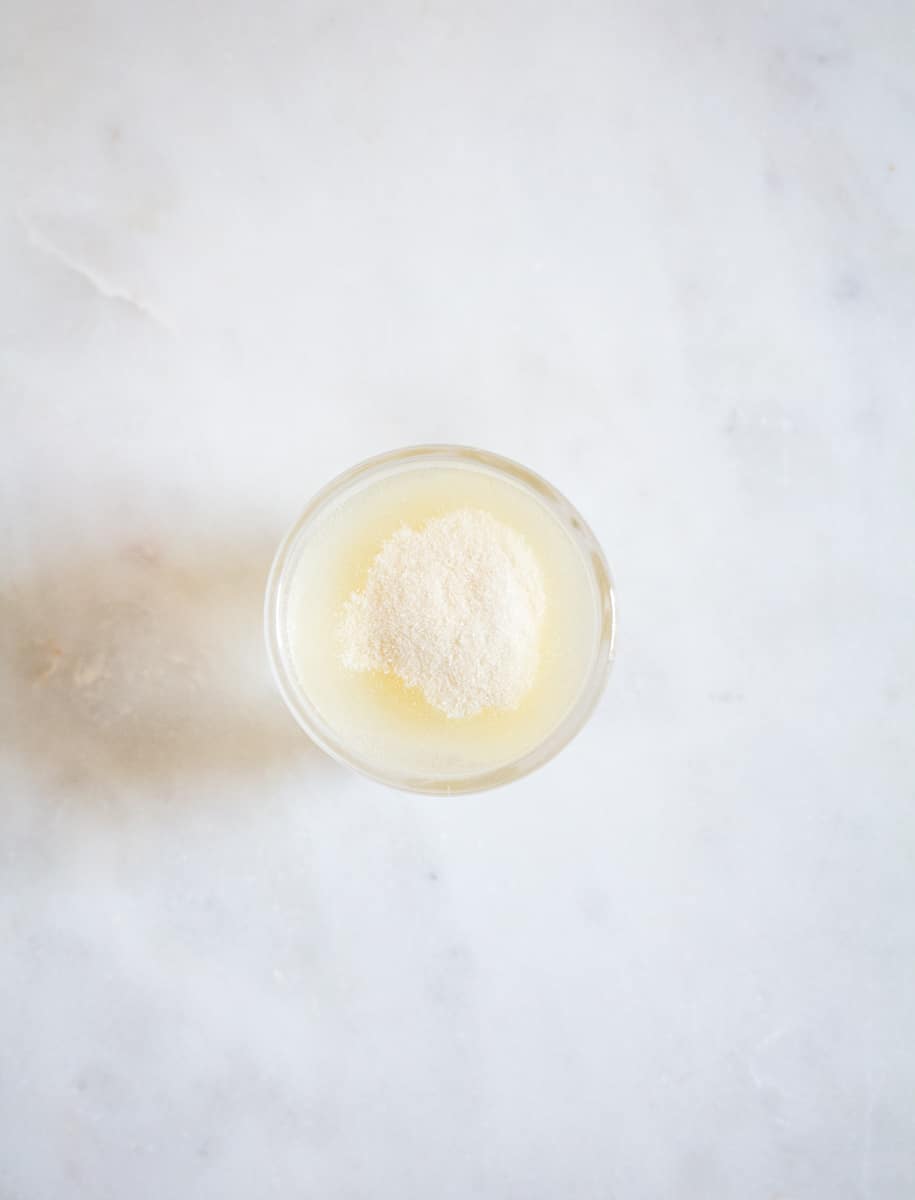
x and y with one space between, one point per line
333 740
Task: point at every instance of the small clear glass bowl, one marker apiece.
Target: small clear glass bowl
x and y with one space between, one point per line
333 740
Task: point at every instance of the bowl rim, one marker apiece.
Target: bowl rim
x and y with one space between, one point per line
295 695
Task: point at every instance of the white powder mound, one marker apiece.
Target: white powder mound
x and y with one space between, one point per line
454 609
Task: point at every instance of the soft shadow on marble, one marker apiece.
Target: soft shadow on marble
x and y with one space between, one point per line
143 663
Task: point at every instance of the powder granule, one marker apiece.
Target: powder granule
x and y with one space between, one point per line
454 608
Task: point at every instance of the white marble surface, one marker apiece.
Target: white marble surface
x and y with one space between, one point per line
662 253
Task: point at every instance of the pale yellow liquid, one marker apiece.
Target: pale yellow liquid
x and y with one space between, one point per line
387 725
